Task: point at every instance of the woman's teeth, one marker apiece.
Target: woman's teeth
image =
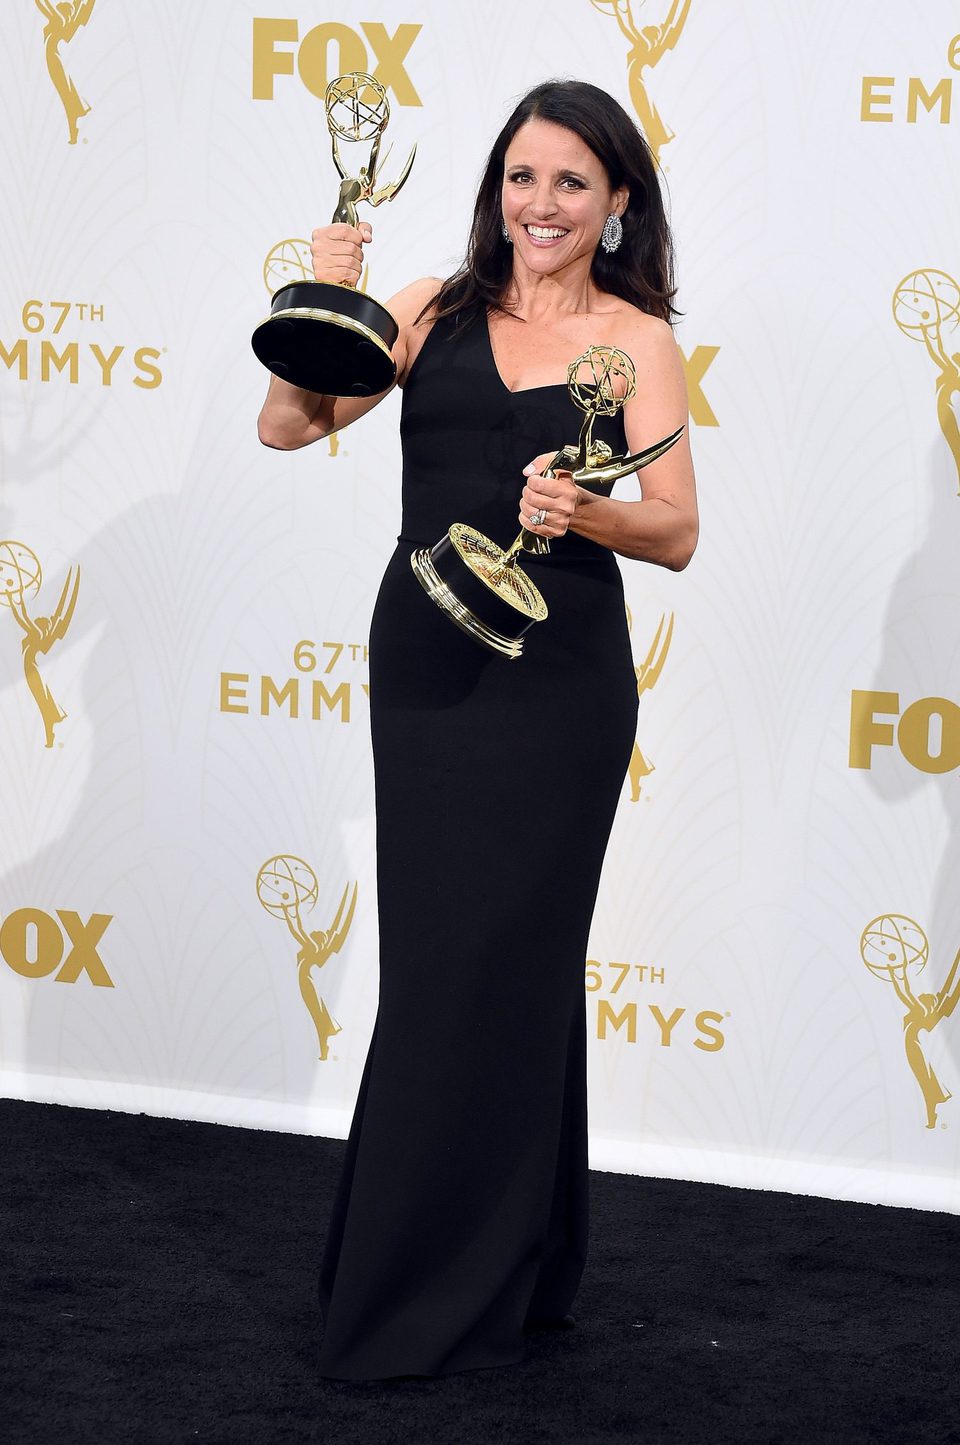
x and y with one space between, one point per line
545 233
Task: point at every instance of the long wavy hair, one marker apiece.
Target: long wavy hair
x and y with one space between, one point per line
640 271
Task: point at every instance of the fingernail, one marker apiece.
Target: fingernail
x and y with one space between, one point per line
529 471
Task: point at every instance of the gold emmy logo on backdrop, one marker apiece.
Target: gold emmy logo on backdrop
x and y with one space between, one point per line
290 261
894 949
648 674
63 22
20 578
648 45
286 887
926 307
286 262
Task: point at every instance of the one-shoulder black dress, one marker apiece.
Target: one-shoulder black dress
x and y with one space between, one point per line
460 1220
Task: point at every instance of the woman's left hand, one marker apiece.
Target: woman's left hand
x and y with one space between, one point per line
556 497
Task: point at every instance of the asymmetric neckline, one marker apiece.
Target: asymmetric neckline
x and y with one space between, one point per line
520 390
467 439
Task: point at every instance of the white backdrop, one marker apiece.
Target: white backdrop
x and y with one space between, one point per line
739 1031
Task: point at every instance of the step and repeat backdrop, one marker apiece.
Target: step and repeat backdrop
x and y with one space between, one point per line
187 882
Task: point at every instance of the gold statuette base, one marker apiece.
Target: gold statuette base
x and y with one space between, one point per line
438 592
466 576
487 561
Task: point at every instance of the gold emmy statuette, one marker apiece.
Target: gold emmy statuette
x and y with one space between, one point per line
20 578
926 307
63 21
326 337
894 947
287 887
648 45
479 585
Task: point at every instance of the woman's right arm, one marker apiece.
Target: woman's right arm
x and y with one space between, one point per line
291 417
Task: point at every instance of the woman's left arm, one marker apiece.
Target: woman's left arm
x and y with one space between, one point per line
662 526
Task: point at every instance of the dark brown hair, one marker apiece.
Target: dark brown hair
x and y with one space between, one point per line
640 271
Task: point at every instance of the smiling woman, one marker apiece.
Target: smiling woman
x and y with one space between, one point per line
460 1222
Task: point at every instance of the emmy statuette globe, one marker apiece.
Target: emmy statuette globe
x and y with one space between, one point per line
927 302
286 883
20 574
893 945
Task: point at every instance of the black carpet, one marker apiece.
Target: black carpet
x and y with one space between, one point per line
159 1282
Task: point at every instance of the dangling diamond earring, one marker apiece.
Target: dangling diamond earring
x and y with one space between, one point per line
506 233
612 234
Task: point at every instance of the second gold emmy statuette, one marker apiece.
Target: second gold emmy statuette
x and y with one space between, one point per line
329 337
478 584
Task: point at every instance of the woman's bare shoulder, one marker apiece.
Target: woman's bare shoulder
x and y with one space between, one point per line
650 332
649 342
407 305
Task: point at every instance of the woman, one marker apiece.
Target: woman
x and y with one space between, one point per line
460 1219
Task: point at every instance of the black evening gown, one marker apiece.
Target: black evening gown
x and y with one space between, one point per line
460 1220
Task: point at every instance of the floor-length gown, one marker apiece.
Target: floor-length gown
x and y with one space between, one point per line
460 1220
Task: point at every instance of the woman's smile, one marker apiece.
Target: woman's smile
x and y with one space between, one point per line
545 235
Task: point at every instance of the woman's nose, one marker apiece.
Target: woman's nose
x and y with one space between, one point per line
543 203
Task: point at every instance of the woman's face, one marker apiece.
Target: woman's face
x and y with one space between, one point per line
556 196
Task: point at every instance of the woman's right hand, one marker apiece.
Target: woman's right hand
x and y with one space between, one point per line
337 252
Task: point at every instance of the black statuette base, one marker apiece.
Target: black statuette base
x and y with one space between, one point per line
328 339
